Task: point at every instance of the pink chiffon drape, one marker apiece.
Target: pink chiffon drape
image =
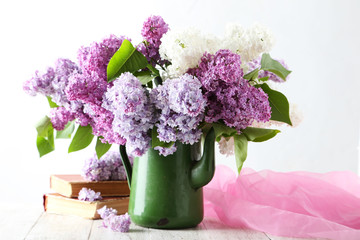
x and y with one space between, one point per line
293 204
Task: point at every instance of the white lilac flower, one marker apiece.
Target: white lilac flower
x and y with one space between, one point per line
248 43
86 194
184 49
226 146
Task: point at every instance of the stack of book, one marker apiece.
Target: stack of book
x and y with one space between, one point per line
66 189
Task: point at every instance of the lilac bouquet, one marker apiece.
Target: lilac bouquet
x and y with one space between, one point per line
174 86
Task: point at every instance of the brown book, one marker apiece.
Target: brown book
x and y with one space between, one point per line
70 185
55 203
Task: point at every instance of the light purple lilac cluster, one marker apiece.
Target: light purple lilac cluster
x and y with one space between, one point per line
40 83
79 90
86 88
181 106
101 122
105 212
53 82
133 112
117 223
59 117
216 69
230 98
87 194
108 167
153 29
272 76
90 87
96 57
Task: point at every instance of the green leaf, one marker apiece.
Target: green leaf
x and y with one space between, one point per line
264 79
223 130
81 139
240 144
43 146
259 134
144 77
279 105
149 85
155 142
269 64
153 70
68 130
158 81
46 145
126 59
51 103
252 75
42 127
101 148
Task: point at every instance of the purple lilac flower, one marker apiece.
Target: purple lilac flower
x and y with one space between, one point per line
166 132
64 69
86 194
117 223
109 167
181 106
224 66
230 97
166 151
59 117
53 82
238 106
101 122
185 95
40 83
113 160
77 108
272 76
96 57
153 29
105 212
87 88
133 112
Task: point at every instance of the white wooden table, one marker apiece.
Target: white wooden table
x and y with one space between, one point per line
31 223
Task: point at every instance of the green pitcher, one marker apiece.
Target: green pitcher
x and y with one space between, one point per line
166 192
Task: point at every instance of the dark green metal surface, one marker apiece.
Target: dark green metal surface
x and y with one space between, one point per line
166 191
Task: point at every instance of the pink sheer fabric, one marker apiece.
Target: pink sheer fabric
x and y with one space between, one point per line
293 204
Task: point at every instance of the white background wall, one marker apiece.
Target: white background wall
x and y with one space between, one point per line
318 39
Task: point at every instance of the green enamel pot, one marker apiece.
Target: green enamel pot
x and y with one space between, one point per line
166 192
